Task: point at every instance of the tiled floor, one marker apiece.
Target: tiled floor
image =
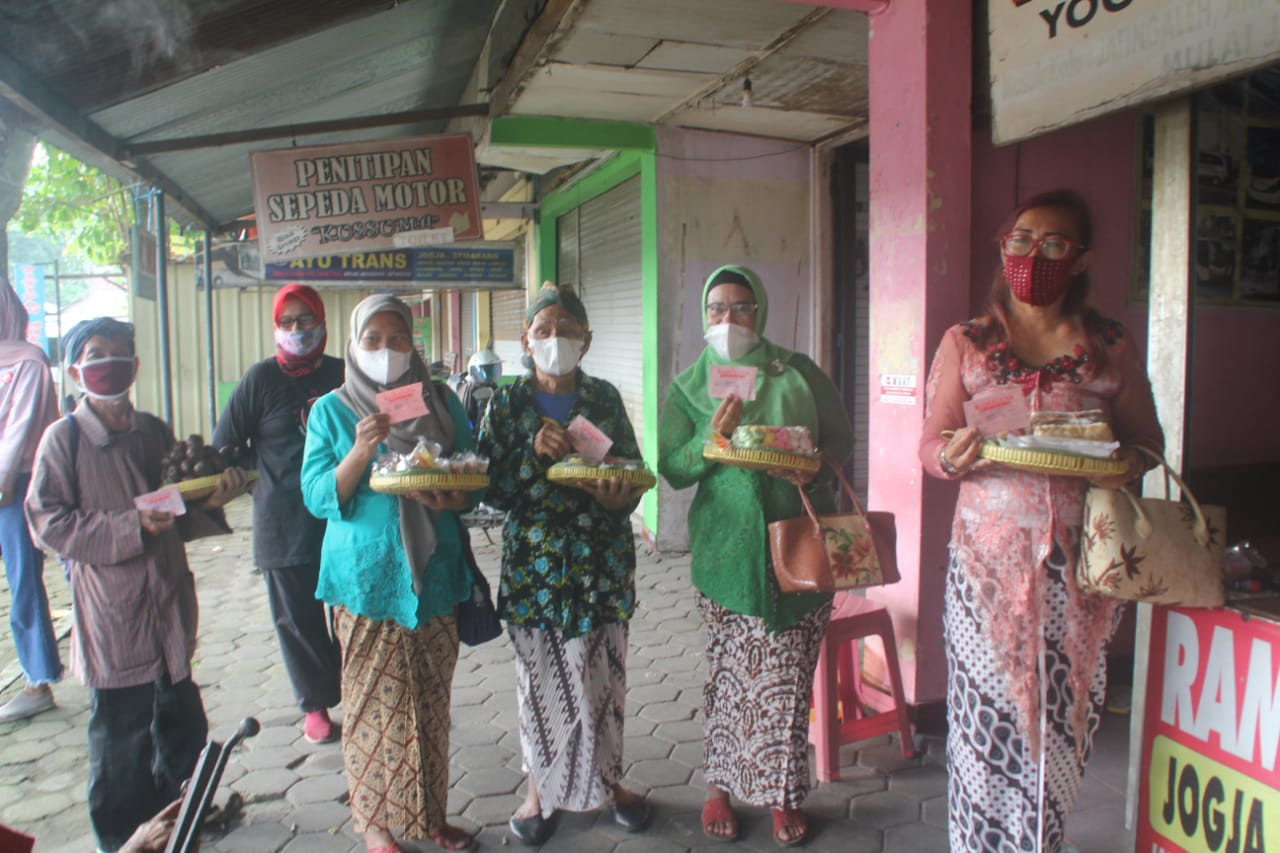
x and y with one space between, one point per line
296 792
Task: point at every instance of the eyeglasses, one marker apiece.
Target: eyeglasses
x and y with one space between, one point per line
741 310
302 321
1051 247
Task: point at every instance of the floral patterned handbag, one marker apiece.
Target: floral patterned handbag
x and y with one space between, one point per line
826 553
1153 550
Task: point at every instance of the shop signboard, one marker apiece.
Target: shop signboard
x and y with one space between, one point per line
364 197
1210 775
479 265
30 290
1058 62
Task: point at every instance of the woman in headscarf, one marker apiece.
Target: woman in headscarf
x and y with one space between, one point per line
392 567
762 645
28 404
568 574
268 412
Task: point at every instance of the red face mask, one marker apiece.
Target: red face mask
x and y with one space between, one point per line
107 378
1036 280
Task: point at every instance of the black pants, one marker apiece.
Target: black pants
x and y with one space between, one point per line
144 742
306 644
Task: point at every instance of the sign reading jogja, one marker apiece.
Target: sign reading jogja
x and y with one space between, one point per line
336 199
1211 735
1059 62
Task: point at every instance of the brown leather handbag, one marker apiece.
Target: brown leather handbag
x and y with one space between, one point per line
843 550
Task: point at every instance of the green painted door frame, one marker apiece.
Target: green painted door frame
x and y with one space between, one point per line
636 146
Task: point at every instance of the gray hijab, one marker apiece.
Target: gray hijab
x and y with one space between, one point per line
359 392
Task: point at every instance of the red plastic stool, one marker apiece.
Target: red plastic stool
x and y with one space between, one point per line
855 617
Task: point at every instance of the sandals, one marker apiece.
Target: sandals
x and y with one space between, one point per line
716 810
792 819
449 837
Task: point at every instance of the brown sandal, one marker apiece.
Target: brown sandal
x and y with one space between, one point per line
449 837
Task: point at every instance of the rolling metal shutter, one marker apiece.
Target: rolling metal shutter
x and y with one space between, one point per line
468 327
598 247
506 307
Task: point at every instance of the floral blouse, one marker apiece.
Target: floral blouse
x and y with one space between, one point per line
568 563
1007 521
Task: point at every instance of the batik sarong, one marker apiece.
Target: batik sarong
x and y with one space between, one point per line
395 720
572 694
756 703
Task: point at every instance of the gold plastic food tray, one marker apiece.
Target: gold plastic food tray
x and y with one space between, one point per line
419 481
201 487
761 460
574 474
1051 461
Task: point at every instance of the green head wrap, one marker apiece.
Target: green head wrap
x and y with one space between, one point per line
554 294
731 274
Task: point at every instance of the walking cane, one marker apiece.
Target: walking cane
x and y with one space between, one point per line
202 786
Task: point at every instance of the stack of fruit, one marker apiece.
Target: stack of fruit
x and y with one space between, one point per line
195 466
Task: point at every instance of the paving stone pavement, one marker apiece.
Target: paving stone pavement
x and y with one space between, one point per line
295 792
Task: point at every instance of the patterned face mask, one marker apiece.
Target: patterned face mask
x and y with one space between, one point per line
1036 280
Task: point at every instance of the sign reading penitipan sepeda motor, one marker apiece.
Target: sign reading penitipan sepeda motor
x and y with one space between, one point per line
1058 62
335 199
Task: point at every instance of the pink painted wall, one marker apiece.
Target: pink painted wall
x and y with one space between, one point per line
920 209
1231 416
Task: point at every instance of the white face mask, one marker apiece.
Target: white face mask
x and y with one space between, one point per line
731 341
383 366
556 356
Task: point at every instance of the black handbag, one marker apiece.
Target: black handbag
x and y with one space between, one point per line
477 618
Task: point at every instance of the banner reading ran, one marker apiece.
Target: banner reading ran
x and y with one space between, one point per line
1211 734
336 199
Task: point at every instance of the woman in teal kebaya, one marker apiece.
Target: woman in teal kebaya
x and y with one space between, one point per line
762 645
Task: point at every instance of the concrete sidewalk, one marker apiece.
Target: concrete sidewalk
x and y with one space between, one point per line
295 792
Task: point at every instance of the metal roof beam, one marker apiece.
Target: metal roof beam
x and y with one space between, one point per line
94 145
288 131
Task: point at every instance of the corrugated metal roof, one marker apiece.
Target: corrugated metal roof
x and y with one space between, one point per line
148 70
108 78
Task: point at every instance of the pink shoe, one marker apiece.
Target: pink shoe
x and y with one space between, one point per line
318 728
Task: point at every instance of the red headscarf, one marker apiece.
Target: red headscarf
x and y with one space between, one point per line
299 365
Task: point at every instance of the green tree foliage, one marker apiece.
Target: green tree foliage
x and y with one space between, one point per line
76 206
85 211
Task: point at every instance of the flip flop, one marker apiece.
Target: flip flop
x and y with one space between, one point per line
717 810
449 837
790 818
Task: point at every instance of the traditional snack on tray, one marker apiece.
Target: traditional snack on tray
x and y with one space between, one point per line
193 459
575 468
1089 424
425 468
781 439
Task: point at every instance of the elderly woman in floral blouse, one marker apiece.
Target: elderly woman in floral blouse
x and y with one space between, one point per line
568 574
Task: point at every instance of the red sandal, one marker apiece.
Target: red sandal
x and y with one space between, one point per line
717 810
449 837
793 819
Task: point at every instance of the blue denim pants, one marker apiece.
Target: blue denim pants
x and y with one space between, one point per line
29 614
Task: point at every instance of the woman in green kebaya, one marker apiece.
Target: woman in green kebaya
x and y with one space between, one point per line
762 645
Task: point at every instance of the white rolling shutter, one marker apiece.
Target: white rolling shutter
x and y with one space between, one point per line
506 307
604 241
468 324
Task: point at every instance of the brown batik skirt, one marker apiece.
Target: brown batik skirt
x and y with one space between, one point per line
395 720
756 704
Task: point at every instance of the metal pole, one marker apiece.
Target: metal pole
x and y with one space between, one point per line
209 360
62 370
162 309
